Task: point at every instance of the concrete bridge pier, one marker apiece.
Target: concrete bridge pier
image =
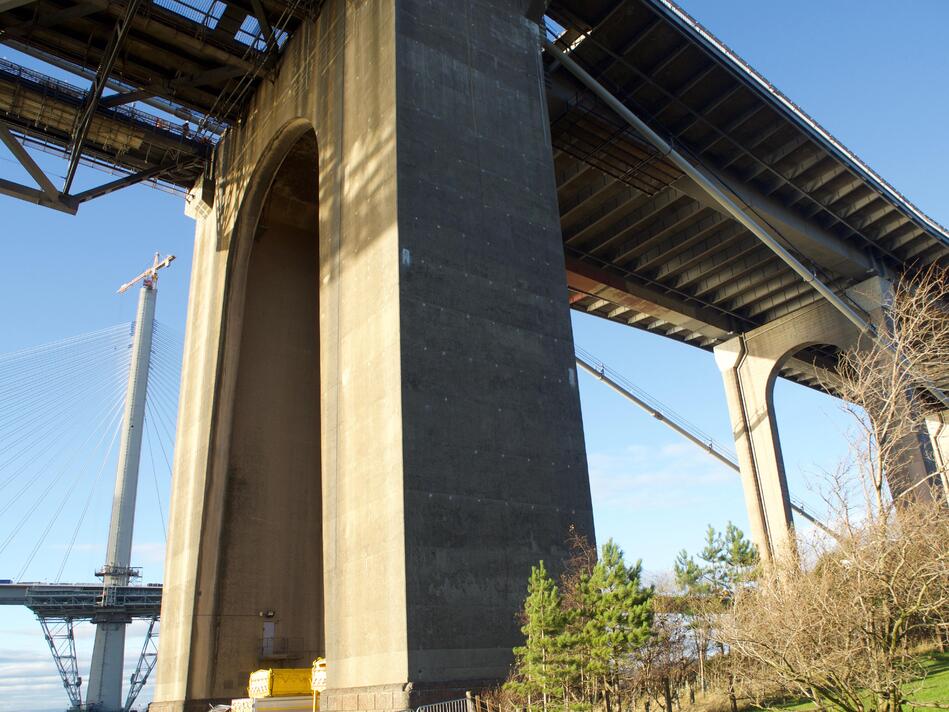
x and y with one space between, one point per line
379 429
750 363
937 424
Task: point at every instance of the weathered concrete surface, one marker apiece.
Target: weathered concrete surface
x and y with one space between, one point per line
452 455
937 425
750 364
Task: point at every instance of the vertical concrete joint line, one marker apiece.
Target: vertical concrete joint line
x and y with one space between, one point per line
746 426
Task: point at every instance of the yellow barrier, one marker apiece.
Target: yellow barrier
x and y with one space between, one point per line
279 682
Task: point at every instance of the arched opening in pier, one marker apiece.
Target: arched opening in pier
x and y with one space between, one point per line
270 599
813 426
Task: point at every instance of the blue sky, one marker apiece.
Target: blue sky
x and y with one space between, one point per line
871 72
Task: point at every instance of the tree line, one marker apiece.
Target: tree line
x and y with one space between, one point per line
837 619
600 638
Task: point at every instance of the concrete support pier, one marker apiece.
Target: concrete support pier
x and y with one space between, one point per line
937 424
750 363
379 428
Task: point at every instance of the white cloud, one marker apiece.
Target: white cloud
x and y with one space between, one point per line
663 476
148 552
29 679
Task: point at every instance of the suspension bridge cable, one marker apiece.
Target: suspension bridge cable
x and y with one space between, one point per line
166 387
24 370
56 400
117 401
55 414
167 379
160 443
17 412
30 405
162 393
167 382
168 428
62 343
40 383
115 408
46 434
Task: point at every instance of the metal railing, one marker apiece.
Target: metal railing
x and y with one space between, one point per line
462 704
65 91
669 417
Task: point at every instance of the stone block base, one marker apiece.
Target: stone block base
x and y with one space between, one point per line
186 705
396 698
384 698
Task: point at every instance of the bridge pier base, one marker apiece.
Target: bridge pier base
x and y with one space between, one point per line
750 363
379 429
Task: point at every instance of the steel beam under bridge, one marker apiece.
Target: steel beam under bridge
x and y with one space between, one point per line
82 601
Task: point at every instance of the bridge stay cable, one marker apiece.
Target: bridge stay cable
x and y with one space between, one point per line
85 508
45 493
67 497
668 417
150 430
34 432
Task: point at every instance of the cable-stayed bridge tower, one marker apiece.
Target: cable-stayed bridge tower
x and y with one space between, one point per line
105 678
118 600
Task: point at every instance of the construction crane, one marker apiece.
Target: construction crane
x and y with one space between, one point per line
149 276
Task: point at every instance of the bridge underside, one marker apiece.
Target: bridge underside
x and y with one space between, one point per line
645 246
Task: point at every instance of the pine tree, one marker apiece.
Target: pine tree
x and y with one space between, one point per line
615 618
729 561
538 663
579 645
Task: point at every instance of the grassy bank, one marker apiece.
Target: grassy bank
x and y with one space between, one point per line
933 688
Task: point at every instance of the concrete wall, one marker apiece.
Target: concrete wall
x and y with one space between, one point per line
494 464
452 456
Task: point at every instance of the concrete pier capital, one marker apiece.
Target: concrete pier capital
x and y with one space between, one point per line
750 363
728 353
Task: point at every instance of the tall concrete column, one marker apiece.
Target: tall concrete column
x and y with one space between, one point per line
750 364
751 409
394 187
108 652
937 425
